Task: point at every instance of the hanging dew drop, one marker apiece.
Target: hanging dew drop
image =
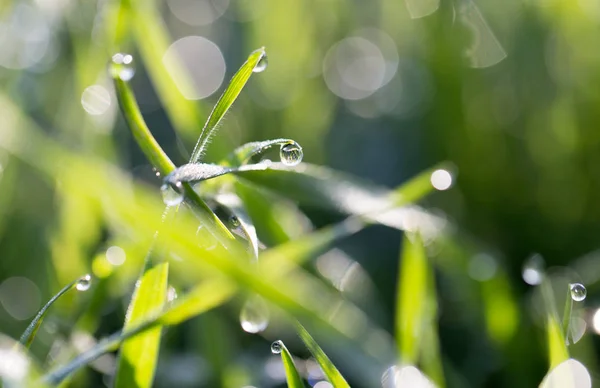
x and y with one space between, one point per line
121 66
172 196
291 154
276 347
234 221
254 316
84 283
578 292
261 65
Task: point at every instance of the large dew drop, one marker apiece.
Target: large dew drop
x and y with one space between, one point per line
171 196
276 347
254 316
291 154
121 66
84 283
578 292
261 65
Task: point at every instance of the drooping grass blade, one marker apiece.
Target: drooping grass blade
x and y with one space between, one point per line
291 373
81 284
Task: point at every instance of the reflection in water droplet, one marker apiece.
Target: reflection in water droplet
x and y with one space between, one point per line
254 316
291 154
276 347
578 292
122 67
261 65
172 196
84 283
533 270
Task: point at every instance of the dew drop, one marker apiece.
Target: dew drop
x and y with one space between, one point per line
276 347
254 316
156 172
84 283
578 292
172 196
121 66
234 221
171 294
291 154
261 65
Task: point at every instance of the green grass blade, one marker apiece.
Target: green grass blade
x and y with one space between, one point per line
200 299
227 99
245 152
331 372
411 298
238 212
138 356
291 373
29 333
557 346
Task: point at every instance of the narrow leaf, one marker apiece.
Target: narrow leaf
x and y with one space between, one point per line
244 153
138 356
411 297
31 331
291 373
226 100
198 172
200 299
557 347
331 372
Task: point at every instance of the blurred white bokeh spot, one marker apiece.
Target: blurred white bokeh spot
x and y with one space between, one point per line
441 180
14 364
115 255
568 374
196 65
406 376
95 100
198 12
20 297
24 37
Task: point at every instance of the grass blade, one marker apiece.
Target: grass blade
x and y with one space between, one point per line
138 356
331 372
291 373
200 299
31 331
238 212
244 153
411 298
227 99
557 346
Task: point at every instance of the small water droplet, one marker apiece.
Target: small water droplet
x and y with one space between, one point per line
172 195
84 283
276 347
234 221
171 294
254 316
156 172
261 65
578 292
122 67
291 154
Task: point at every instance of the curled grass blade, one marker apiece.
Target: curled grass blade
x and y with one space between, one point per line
226 100
29 334
291 373
411 297
201 298
331 372
245 152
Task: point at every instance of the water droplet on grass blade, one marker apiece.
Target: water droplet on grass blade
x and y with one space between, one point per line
84 283
254 316
276 347
172 195
291 154
261 65
578 292
122 67
234 221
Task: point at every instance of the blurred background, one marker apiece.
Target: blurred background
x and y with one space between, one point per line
507 92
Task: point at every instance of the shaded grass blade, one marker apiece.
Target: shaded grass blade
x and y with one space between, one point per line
227 99
331 372
411 298
291 373
201 298
29 334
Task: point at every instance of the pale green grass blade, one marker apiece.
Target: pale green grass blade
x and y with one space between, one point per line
331 372
138 356
291 373
201 298
29 334
431 359
557 346
411 298
226 100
